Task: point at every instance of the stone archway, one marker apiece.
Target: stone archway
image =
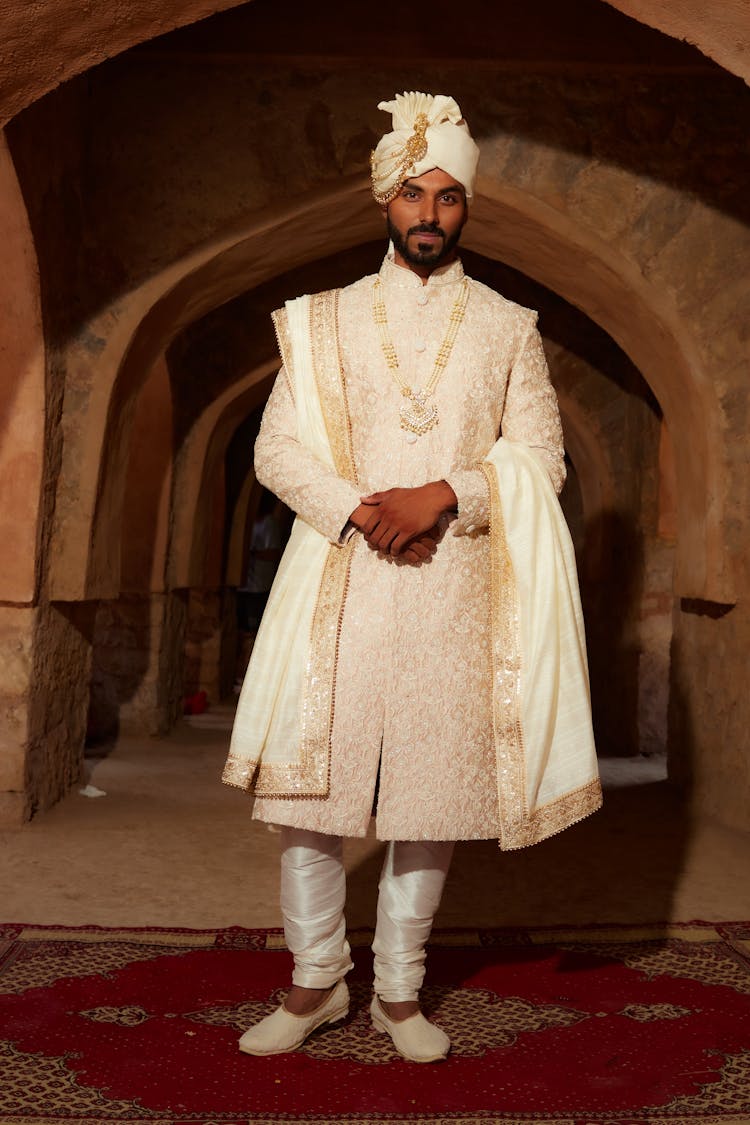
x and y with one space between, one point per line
202 449
199 451
40 61
85 554
721 31
22 395
544 243
22 443
200 549
516 228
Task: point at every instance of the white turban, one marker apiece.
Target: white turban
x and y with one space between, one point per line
428 132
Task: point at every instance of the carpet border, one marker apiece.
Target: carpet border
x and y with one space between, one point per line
271 938
442 1119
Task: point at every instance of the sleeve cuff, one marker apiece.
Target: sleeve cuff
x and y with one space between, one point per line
472 493
340 506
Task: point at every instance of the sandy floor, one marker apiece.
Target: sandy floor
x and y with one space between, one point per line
170 846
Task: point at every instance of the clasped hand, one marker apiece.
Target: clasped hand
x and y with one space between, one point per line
403 521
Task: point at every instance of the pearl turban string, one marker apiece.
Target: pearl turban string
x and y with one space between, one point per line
428 132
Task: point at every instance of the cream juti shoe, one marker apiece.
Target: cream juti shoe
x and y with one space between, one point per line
284 1031
415 1038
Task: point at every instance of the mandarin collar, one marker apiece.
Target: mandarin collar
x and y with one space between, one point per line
403 278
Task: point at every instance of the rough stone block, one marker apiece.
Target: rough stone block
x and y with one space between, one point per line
14 810
608 199
16 638
12 766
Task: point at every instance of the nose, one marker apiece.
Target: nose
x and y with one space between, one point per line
428 211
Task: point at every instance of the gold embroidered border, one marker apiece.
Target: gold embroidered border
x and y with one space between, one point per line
239 772
559 814
506 675
280 320
329 377
312 777
518 827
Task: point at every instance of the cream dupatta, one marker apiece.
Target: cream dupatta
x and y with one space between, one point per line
547 777
284 719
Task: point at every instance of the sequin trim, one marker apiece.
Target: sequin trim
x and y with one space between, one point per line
558 815
280 319
329 377
518 827
506 675
311 777
238 772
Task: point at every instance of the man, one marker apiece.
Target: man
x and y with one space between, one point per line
424 628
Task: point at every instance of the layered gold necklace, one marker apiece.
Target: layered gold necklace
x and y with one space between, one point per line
418 415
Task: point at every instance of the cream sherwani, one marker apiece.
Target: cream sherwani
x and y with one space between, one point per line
413 686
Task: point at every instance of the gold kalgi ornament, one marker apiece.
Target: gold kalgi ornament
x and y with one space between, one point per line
418 415
403 160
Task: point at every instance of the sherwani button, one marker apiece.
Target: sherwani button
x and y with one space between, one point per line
422 299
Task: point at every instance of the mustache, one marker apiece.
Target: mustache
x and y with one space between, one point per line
426 228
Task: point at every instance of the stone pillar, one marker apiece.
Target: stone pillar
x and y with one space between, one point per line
44 701
136 681
211 643
16 644
59 699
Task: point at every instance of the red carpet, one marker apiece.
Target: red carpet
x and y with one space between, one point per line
575 1027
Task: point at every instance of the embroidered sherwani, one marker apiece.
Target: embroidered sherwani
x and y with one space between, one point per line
413 681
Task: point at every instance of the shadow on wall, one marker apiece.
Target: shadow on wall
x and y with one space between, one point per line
611 598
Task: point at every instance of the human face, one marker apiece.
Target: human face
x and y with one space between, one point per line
425 221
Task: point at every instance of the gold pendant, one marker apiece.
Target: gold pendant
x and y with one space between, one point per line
418 416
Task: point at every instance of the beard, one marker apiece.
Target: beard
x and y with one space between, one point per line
426 254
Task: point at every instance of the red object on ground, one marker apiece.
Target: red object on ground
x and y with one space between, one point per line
588 1026
195 704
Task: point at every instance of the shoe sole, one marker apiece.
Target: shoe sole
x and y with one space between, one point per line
383 1030
334 1017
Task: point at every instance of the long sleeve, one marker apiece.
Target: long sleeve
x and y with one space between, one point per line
472 493
282 464
531 414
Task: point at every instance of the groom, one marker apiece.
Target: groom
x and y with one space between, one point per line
424 629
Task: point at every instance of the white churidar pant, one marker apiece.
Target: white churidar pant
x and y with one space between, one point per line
313 893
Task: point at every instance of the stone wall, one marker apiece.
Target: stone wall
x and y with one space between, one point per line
16 643
650 183
136 678
708 710
211 642
58 703
37 61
